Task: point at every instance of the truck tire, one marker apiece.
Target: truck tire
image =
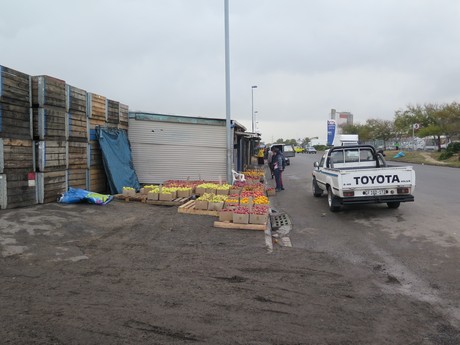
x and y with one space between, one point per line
331 201
393 204
317 192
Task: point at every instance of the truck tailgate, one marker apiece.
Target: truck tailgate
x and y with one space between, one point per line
378 178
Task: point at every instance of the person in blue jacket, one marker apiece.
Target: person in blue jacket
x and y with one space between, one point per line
278 167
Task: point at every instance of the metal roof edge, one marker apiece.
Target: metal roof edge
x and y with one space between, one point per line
176 118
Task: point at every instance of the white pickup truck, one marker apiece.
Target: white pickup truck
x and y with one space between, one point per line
359 175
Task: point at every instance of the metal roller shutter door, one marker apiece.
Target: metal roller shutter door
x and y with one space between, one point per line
167 150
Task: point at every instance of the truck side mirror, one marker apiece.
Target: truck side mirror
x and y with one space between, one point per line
316 165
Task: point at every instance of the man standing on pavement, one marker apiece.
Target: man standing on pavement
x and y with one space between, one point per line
278 167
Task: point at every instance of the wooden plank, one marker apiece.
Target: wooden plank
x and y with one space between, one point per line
15 121
53 185
14 87
19 193
95 154
96 179
76 178
76 99
230 225
77 126
48 90
189 208
175 202
52 155
113 112
138 197
77 154
97 107
18 154
49 123
123 116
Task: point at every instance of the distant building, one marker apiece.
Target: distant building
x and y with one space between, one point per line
335 123
341 118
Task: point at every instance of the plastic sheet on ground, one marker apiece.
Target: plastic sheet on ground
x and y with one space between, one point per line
76 195
399 155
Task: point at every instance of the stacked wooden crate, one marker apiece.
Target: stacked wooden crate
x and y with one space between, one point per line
123 123
77 137
50 121
48 138
97 117
17 164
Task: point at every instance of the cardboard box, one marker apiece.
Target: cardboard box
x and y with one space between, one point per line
199 190
258 218
184 193
235 191
129 192
240 218
222 191
152 196
215 206
210 190
271 192
201 205
166 197
225 216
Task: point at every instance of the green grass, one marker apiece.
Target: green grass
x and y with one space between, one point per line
420 157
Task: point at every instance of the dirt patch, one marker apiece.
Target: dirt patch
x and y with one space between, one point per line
148 275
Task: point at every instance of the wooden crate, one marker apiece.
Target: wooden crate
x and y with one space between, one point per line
76 99
230 225
92 124
113 112
96 180
97 107
51 155
48 91
50 185
76 178
16 154
94 154
16 190
77 126
189 208
14 87
123 115
15 121
77 155
50 123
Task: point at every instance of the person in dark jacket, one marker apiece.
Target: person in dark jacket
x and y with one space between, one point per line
278 167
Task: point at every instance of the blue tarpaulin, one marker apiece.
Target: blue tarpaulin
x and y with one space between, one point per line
399 155
76 195
117 158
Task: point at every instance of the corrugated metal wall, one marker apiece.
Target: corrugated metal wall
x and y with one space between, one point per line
167 150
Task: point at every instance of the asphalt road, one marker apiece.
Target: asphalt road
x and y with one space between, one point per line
417 245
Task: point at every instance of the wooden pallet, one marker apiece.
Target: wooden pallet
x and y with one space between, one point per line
137 197
231 225
189 208
175 202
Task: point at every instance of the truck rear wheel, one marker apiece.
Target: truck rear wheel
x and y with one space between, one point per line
393 204
317 192
331 200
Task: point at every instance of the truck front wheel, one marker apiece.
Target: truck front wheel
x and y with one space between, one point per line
393 204
331 200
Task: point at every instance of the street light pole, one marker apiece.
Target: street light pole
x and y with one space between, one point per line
228 121
252 105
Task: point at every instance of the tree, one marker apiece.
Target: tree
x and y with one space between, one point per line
381 129
363 131
434 120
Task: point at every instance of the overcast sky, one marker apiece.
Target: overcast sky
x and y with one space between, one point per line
368 57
